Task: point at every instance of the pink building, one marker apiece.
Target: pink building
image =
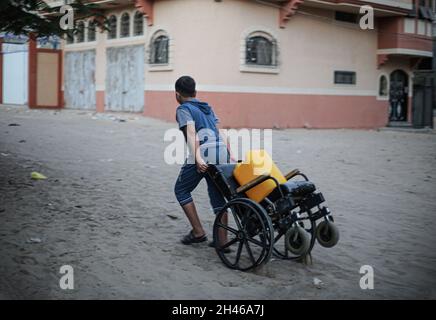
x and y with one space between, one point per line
270 63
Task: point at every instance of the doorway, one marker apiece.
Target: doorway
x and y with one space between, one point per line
15 73
79 80
125 79
398 96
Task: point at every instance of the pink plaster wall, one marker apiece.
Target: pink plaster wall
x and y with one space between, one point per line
258 110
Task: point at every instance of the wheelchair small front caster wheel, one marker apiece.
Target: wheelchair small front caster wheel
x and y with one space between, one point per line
327 234
297 240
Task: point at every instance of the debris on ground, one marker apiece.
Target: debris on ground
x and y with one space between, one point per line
172 217
34 240
13 124
318 283
102 116
37 176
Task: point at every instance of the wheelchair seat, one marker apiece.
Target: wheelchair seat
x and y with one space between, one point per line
293 188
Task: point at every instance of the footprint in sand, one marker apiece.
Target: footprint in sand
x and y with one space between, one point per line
26 260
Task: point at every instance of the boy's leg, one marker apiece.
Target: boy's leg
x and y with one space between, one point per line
187 181
194 220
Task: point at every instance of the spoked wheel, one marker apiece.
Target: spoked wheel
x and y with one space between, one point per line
243 235
292 243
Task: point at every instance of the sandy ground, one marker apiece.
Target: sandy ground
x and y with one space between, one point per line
104 210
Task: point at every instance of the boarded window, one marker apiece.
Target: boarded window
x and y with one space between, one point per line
138 24
112 33
159 50
80 32
345 77
260 51
91 31
125 25
383 87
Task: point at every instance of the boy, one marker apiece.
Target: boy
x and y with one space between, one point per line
200 127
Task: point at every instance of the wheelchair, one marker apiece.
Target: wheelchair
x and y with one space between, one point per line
283 220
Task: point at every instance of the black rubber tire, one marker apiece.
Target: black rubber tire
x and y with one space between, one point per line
327 234
280 251
297 241
254 221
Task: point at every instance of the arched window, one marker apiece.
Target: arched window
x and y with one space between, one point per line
91 30
383 86
138 24
80 31
125 25
260 49
159 48
112 33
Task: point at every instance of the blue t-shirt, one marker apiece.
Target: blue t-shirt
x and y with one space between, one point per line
201 115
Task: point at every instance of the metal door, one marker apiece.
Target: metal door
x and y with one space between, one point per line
15 73
125 79
79 80
398 93
422 109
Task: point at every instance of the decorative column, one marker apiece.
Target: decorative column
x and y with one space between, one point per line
32 71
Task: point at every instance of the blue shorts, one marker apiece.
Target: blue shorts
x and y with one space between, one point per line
188 180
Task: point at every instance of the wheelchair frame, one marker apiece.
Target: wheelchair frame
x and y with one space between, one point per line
263 226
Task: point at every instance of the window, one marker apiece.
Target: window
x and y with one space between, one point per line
112 34
125 25
426 9
159 49
260 51
138 24
346 17
383 86
345 77
80 31
91 30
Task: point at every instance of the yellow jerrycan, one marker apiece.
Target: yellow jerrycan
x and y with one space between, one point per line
258 162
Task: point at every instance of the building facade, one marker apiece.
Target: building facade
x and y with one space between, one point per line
261 64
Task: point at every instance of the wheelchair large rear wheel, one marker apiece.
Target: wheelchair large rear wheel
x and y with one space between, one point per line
243 235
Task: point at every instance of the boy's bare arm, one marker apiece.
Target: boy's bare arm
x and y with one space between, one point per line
194 145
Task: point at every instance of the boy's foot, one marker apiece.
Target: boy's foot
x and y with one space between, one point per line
212 245
190 238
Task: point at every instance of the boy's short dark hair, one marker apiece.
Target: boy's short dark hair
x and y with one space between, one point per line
185 86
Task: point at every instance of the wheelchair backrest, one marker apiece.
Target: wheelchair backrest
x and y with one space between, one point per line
222 175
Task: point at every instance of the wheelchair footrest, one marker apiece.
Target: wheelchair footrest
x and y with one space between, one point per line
324 211
312 200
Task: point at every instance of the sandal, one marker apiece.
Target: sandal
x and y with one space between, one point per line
190 238
226 250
